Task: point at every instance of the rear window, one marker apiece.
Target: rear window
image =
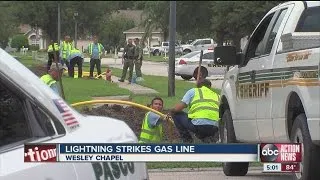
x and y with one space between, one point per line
165 44
310 20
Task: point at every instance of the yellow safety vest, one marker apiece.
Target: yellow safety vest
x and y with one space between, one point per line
47 79
66 48
99 49
150 135
74 51
204 105
56 47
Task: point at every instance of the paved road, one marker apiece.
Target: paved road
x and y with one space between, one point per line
214 174
153 68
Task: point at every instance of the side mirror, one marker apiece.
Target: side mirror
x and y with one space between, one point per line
227 56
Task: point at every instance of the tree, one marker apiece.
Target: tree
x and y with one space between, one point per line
19 40
111 33
236 19
193 19
43 14
8 23
157 16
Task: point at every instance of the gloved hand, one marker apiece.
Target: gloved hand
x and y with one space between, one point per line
168 117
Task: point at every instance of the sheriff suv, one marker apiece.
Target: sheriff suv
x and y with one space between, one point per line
272 94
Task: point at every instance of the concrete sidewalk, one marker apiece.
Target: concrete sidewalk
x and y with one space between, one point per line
134 88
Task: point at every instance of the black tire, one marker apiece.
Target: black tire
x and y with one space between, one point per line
231 168
311 152
186 77
156 53
203 70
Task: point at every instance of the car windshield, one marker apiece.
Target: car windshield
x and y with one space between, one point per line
193 42
189 55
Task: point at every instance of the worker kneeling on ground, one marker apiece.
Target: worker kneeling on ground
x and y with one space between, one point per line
203 115
151 131
52 77
74 58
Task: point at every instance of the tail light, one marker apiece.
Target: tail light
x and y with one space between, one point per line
182 62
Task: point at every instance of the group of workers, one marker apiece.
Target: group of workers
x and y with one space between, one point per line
67 54
202 118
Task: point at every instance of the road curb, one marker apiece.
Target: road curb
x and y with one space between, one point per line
196 169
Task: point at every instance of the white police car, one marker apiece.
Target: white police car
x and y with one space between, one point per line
30 112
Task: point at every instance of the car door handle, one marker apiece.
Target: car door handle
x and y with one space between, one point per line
253 76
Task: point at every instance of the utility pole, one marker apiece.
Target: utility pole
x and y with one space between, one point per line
59 23
75 15
172 36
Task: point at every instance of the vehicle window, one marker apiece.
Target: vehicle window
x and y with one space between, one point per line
14 124
198 43
274 31
189 55
208 55
310 20
44 120
165 44
255 46
207 41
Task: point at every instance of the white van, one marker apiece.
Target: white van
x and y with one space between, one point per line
30 112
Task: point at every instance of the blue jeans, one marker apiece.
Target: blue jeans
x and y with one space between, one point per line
184 125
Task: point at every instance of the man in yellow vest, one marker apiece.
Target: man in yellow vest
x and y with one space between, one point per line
52 77
203 115
51 53
95 50
65 47
151 130
75 58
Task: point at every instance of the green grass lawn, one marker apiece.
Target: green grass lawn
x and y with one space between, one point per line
77 90
160 84
157 58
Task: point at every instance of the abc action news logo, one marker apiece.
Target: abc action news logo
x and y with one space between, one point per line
40 153
280 152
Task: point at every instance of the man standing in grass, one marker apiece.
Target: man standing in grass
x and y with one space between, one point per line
75 58
95 51
138 55
128 58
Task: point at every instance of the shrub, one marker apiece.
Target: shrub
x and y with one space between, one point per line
19 40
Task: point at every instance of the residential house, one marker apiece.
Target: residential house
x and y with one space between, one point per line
138 31
35 36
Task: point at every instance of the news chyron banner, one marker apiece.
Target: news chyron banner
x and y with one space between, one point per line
276 157
281 157
140 153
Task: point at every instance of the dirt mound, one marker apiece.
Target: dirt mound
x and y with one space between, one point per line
132 116
39 70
